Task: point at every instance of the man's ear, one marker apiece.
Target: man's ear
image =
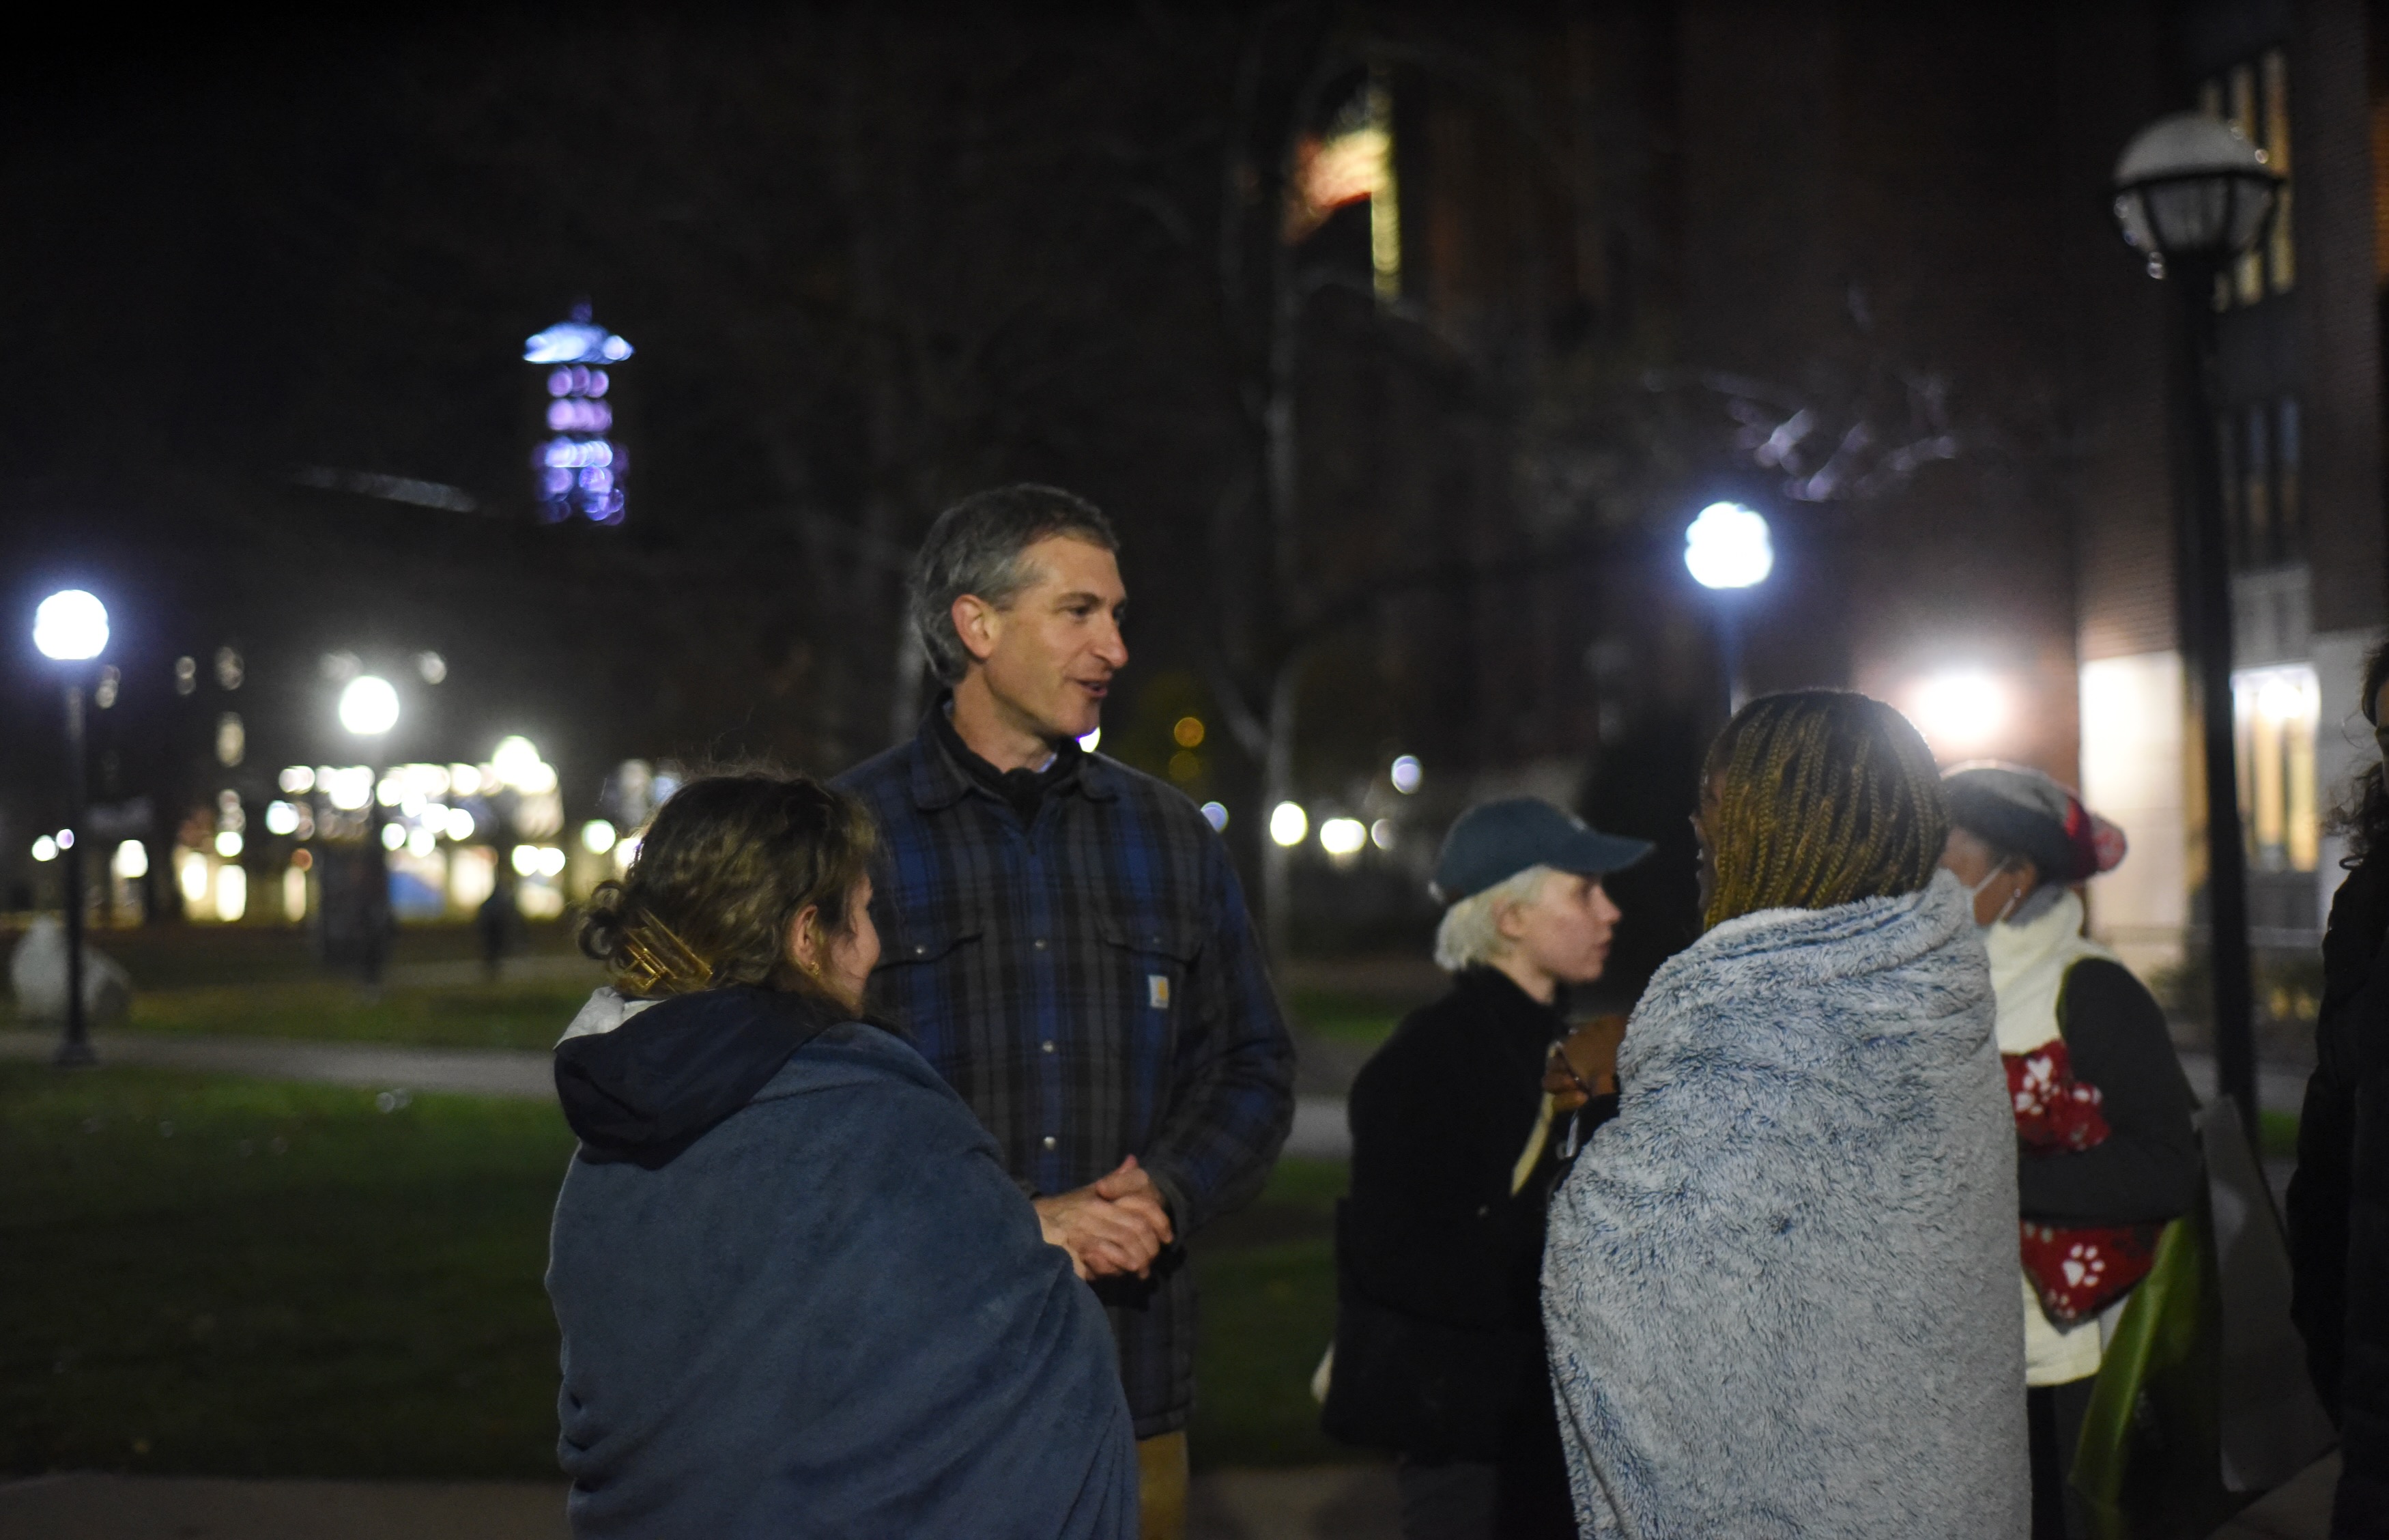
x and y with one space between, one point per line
978 623
1505 918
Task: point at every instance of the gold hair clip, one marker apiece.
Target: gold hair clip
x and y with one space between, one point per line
659 962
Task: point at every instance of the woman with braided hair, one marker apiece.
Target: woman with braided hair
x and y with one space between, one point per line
1777 1285
799 1294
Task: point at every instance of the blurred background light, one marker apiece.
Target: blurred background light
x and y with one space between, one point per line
228 843
45 848
71 625
1288 824
1727 547
1343 836
1405 774
1381 834
597 835
132 860
1963 711
297 781
392 836
1216 814
281 818
369 706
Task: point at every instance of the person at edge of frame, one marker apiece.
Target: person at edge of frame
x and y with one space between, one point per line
1068 943
2339 1196
1457 1141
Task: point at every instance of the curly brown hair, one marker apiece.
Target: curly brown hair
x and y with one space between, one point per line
1825 797
720 875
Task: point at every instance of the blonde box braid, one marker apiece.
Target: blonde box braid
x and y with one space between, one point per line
1822 797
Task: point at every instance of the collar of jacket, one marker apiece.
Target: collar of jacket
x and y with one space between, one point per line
939 782
1517 1013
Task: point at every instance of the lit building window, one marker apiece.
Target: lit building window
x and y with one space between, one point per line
1353 162
2276 711
2253 97
579 465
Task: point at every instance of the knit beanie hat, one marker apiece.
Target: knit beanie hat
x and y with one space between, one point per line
2021 811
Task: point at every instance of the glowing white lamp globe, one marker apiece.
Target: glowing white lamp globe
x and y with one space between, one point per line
369 706
1727 547
70 627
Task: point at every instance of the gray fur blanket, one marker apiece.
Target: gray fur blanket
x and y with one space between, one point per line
1780 1286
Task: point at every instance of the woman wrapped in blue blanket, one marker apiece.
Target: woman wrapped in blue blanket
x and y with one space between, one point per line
798 1294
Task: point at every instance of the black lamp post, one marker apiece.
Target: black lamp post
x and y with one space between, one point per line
71 627
2193 193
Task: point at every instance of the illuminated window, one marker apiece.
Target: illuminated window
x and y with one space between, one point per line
2253 97
1353 162
2276 711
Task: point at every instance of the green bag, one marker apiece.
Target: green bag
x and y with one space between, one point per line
2202 1401
2149 1462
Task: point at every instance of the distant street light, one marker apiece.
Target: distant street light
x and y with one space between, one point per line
2192 193
369 706
1727 549
1288 824
71 627
369 709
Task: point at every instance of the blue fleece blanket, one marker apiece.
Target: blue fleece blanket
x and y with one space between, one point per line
831 1315
1779 1286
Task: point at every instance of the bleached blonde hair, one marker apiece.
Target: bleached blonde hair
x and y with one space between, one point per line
1471 935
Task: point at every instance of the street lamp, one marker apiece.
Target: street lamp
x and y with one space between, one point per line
71 627
2192 193
369 709
1728 548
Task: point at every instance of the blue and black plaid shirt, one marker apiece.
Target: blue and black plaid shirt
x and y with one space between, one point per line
1089 980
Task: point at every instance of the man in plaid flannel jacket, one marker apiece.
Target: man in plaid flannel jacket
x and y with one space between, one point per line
1066 939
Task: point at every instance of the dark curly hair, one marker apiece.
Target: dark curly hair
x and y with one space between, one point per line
722 872
2364 816
1825 797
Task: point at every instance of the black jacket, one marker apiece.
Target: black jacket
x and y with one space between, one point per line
1438 1262
2339 1200
2147 1170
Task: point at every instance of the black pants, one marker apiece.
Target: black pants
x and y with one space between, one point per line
1522 1496
2053 1417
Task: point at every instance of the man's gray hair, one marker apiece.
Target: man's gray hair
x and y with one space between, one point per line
975 546
1471 935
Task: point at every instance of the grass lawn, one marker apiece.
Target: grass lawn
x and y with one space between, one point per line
207 1275
1345 1018
1267 1278
214 1275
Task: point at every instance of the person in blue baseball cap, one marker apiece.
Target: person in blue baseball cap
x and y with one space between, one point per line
1438 1351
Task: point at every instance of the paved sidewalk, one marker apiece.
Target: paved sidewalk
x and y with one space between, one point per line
484 1072
1319 1132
